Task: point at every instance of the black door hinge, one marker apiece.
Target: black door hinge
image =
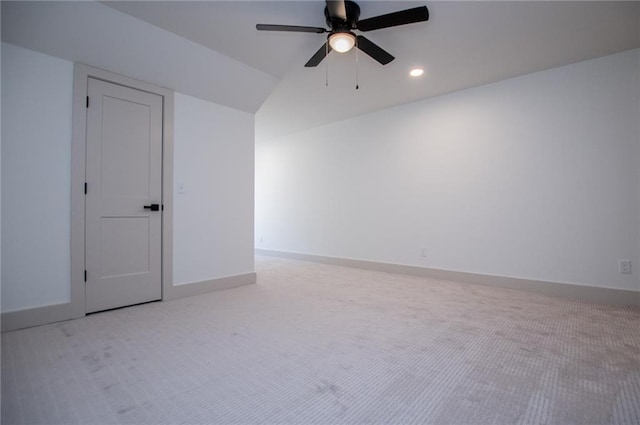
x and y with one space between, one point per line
85 275
86 186
87 101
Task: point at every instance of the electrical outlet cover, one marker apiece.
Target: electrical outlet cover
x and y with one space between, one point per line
624 266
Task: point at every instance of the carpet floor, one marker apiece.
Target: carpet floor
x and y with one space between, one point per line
320 344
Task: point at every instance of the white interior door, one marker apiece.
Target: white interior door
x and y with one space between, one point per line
124 175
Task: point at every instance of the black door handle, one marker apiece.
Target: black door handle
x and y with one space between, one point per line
152 207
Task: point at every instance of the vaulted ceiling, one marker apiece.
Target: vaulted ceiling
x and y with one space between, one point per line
464 44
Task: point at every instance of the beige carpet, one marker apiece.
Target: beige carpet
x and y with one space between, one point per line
319 344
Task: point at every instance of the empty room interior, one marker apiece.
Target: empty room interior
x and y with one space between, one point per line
320 212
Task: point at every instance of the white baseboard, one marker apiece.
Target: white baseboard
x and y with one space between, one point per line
219 284
12 320
620 297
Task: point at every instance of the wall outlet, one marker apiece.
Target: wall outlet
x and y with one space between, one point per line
260 239
624 266
423 252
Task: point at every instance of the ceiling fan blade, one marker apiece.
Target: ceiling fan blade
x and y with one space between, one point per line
290 28
373 50
408 16
320 54
337 9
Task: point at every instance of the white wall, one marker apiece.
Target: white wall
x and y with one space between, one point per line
213 218
213 221
36 173
0 165
535 177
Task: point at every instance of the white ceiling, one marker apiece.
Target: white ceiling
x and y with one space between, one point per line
91 33
464 44
221 57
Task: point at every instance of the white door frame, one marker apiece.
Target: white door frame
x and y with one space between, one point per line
81 74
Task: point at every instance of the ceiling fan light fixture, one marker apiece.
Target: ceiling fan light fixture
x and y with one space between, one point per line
342 42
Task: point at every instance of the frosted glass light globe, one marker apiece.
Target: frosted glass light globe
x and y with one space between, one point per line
342 42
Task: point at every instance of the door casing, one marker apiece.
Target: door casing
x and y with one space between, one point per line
82 73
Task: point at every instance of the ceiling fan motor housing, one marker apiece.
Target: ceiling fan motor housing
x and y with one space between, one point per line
338 25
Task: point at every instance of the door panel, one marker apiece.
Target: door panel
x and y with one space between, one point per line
127 147
124 160
124 246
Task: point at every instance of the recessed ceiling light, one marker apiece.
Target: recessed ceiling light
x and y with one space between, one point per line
416 72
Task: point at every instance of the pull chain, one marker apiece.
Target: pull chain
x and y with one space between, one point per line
326 64
357 68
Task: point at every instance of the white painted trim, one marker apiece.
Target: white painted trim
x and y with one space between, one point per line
589 293
26 318
167 196
12 320
205 286
81 75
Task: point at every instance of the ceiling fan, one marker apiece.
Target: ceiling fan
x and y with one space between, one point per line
343 16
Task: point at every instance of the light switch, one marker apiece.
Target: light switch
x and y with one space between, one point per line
181 188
